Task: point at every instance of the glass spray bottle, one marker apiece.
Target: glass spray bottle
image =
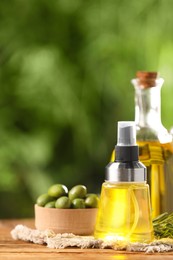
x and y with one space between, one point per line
154 141
124 211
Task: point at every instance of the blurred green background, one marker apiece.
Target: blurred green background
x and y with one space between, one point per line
65 72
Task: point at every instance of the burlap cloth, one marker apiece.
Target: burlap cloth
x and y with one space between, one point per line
58 241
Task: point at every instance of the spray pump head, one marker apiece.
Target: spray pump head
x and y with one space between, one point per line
126 167
126 133
126 148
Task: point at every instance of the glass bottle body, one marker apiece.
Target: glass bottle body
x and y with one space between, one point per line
124 212
155 145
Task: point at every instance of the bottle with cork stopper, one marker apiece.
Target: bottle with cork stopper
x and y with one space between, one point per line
154 140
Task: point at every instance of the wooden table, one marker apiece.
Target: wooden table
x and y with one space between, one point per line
12 249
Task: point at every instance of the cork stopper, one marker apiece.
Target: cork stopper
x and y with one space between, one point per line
147 79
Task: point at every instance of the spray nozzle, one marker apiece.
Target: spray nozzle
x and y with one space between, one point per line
126 133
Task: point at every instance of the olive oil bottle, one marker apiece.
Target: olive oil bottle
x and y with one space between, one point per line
154 141
125 211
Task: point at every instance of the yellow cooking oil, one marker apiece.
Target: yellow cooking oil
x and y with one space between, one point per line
124 212
158 159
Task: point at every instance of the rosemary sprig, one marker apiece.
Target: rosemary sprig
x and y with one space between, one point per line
163 225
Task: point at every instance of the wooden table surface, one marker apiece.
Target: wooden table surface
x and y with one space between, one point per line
12 249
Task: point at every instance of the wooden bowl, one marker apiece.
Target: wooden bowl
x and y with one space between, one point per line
76 221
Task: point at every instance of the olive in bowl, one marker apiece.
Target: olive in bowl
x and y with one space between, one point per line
72 211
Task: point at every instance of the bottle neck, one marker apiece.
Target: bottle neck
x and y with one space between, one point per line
148 104
147 107
148 112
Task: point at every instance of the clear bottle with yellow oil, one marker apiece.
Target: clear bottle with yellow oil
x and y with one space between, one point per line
154 141
125 211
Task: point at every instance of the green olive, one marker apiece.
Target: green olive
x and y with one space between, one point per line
91 194
91 201
43 199
50 204
78 191
63 203
78 203
57 190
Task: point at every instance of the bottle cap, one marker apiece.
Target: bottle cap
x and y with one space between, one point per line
126 133
147 79
126 167
147 74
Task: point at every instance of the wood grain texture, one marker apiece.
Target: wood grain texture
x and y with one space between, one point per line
64 220
13 250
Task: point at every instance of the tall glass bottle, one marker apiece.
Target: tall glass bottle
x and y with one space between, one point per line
154 141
